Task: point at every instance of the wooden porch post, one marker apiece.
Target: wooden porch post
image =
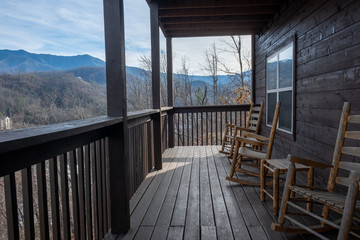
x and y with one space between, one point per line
155 62
117 107
253 68
170 90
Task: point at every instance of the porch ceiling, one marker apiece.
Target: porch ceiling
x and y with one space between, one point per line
198 18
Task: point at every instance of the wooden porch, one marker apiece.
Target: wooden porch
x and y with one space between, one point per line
190 199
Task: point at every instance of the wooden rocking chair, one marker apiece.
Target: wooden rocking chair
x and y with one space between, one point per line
232 131
244 155
327 198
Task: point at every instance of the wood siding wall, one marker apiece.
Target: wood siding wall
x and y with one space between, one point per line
327 72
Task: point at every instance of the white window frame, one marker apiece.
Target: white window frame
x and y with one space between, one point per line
278 90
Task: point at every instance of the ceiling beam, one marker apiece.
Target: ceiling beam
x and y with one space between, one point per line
211 32
218 11
191 26
169 4
209 19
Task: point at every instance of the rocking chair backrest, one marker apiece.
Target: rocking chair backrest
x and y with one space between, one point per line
273 130
340 149
253 121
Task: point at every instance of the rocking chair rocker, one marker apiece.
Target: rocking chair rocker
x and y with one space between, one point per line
327 198
251 157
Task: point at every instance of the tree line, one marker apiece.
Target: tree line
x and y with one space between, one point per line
189 91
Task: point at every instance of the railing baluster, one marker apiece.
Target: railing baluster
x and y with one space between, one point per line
75 193
42 200
11 207
197 128
178 129
226 117
202 128
241 115
108 174
82 216
183 129
103 187
26 176
211 127
207 129
65 196
99 189
188 129
88 206
94 184
245 118
236 123
192 129
54 190
216 128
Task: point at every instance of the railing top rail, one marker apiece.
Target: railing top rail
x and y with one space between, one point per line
22 138
217 108
165 109
141 113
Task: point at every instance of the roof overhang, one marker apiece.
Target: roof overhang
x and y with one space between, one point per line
200 18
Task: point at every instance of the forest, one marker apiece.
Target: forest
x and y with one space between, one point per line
41 98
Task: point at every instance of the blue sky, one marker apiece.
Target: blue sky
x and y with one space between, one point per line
68 27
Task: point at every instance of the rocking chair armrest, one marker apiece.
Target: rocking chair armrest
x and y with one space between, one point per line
310 162
254 135
251 141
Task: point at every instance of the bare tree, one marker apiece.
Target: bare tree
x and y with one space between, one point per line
135 92
183 84
201 96
145 65
211 67
241 92
163 77
145 82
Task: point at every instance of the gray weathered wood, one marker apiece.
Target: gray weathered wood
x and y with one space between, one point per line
179 214
206 204
223 226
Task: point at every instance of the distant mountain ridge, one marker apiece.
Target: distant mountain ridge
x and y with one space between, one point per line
89 68
20 61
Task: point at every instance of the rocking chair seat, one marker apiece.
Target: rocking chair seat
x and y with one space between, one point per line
247 152
329 198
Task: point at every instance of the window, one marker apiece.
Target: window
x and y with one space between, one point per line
280 81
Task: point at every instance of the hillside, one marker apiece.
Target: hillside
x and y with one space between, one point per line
38 89
89 68
39 99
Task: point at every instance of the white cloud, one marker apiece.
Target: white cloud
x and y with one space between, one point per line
68 27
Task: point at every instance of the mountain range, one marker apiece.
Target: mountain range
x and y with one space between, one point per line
89 68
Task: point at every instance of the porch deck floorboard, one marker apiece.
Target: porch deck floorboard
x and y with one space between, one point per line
190 199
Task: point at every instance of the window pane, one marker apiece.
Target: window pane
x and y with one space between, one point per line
272 72
285 117
286 67
271 107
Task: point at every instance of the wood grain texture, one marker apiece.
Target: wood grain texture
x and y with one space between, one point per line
235 213
327 71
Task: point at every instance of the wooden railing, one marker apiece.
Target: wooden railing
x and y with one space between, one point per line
204 125
55 179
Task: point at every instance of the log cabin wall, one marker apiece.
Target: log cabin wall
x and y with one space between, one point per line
327 72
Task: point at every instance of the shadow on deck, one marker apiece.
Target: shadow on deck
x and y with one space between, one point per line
190 199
